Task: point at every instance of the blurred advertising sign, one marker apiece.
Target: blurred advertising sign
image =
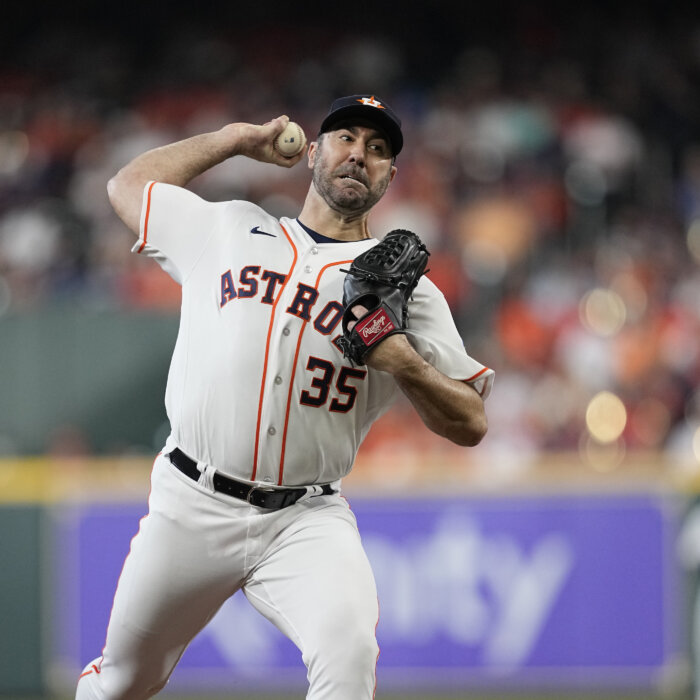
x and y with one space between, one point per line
566 591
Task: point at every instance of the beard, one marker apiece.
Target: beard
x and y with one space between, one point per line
347 189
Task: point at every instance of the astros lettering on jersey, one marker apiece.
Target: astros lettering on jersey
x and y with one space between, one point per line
251 280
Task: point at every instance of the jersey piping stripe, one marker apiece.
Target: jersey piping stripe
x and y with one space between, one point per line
93 669
294 367
267 354
476 376
145 222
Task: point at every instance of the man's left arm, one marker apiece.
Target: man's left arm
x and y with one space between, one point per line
450 408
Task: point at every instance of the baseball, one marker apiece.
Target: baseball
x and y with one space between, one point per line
291 141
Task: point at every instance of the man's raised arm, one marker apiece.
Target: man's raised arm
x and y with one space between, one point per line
180 162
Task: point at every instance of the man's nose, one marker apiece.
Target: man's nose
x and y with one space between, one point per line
357 153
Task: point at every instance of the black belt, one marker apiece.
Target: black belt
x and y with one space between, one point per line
260 496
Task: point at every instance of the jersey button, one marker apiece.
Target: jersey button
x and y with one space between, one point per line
314 251
271 430
308 268
278 379
267 480
285 331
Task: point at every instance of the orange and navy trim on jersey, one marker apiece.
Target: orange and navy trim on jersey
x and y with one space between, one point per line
294 368
145 221
267 352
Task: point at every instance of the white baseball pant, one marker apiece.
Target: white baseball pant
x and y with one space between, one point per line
302 567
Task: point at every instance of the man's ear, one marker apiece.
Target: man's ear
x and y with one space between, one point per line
313 150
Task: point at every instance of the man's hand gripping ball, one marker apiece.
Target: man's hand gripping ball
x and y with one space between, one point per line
380 281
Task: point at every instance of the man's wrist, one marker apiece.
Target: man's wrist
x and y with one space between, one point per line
227 141
396 356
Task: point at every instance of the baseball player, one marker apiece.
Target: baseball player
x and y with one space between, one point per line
266 411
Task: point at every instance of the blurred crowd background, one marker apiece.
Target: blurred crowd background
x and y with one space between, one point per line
552 165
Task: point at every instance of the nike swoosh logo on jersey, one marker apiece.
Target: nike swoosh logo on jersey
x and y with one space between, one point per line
256 229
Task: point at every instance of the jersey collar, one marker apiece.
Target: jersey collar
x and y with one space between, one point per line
320 238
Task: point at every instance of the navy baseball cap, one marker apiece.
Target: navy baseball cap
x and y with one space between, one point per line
366 108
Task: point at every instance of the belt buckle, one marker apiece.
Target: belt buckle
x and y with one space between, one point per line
261 489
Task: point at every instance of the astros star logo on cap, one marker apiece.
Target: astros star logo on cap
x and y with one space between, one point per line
371 102
354 108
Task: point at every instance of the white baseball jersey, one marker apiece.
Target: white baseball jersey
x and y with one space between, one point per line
257 388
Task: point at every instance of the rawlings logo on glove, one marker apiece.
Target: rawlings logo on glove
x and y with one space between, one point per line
374 327
381 280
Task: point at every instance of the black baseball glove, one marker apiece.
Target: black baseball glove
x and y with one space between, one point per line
382 280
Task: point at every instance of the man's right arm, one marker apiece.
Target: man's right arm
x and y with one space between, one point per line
179 163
